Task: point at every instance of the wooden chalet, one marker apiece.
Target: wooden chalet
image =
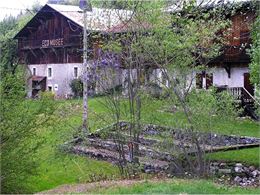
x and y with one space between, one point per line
230 71
51 44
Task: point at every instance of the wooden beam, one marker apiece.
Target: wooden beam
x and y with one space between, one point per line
25 57
53 49
228 70
31 50
30 27
30 30
42 50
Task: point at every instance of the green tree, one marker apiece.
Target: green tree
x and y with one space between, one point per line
8 46
255 53
8 52
76 86
179 43
19 118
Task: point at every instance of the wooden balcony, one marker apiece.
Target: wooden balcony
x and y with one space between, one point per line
49 43
240 94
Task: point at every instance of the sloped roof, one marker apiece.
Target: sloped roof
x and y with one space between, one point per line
206 5
97 20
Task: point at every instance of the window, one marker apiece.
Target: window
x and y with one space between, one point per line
49 88
34 71
199 80
49 72
75 72
204 80
209 80
56 87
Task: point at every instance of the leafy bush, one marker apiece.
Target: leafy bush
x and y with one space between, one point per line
47 95
154 90
76 86
20 136
205 104
115 89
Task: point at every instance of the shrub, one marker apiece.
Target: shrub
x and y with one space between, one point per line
115 89
20 138
47 95
76 86
154 90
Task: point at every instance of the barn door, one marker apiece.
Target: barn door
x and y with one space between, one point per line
247 85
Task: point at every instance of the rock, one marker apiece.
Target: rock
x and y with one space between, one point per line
152 132
148 171
237 179
215 164
254 173
244 180
252 180
249 182
246 170
238 169
226 171
251 168
223 164
239 165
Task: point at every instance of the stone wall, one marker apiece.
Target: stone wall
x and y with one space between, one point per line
237 173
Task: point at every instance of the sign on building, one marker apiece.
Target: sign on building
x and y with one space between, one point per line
52 42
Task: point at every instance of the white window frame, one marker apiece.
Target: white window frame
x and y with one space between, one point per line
56 87
74 72
49 67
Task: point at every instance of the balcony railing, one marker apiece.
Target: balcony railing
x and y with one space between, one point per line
236 92
240 94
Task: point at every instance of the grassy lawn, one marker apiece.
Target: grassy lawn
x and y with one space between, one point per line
178 186
56 168
151 112
249 156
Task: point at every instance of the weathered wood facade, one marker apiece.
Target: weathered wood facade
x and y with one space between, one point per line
50 38
238 38
231 68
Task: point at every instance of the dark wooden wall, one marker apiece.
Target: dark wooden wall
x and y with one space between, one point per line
63 38
238 39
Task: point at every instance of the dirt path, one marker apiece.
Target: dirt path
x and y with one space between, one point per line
88 187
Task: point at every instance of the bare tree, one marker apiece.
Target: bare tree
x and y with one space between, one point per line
177 41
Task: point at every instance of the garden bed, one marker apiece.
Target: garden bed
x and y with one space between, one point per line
158 146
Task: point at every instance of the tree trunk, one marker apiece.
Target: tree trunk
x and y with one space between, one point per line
85 80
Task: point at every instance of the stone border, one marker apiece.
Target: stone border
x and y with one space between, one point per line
157 129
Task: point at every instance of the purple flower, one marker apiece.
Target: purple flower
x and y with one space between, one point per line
107 59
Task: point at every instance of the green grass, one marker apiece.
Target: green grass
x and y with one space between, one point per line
100 114
56 168
69 169
219 124
250 156
178 186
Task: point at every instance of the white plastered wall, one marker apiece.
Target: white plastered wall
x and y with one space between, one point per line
220 76
62 74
